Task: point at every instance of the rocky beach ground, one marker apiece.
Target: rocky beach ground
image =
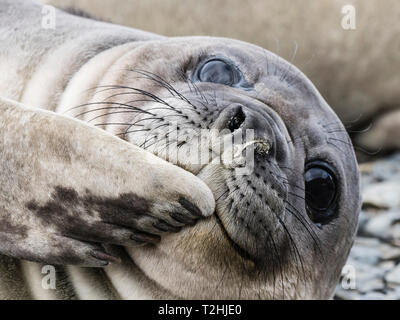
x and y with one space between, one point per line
373 268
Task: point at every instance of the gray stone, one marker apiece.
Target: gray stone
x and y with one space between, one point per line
373 284
373 296
362 222
386 266
368 254
384 169
394 233
393 276
376 251
379 225
342 294
382 195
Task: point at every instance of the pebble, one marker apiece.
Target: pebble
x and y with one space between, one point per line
393 276
380 224
366 255
382 195
375 255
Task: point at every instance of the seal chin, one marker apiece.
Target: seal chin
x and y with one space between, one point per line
249 208
235 246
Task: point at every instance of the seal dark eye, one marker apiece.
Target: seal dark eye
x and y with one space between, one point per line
320 191
218 71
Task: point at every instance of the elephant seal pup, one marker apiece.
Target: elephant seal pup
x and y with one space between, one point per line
283 226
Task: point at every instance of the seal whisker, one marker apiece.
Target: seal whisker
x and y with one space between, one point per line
284 167
154 136
162 101
291 184
144 100
355 147
139 130
183 78
99 103
105 88
122 94
306 225
280 265
294 82
291 141
196 89
159 83
275 253
290 65
335 146
345 122
338 131
218 284
172 141
277 54
109 114
108 108
341 141
296 251
166 135
111 124
163 83
294 52
198 100
113 103
157 141
177 111
352 131
200 93
154 97
311 232
174 115
296 195
145 119
128 129
130 125
286 181
158 79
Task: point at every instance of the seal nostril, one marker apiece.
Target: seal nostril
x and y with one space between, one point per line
236 121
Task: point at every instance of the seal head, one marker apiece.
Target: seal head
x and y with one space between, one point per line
283 225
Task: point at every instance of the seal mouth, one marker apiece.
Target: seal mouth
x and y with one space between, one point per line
260 146
238 249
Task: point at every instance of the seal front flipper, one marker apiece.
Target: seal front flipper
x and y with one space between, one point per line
67 188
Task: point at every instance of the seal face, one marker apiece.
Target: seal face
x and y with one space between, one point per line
283 229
